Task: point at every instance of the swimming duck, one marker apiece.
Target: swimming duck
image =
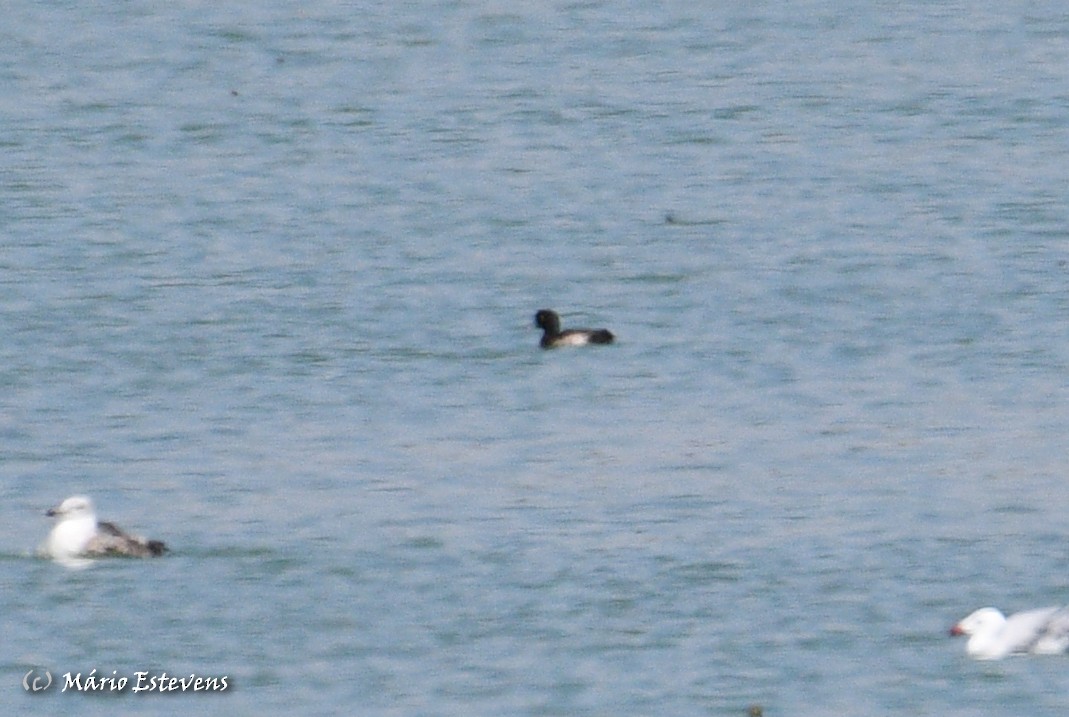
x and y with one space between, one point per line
553 337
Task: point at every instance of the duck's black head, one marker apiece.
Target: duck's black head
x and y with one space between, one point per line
548 321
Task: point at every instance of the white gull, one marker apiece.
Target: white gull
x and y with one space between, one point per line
992 636
78 535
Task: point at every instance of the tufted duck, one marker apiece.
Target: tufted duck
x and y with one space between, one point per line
553 337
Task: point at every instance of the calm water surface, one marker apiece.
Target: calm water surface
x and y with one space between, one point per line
267 278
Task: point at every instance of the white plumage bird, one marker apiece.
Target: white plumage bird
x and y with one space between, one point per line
992 636
78 535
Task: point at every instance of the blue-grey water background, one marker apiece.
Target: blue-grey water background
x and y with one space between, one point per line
267 278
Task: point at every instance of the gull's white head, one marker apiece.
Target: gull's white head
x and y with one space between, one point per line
984 620
75 507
